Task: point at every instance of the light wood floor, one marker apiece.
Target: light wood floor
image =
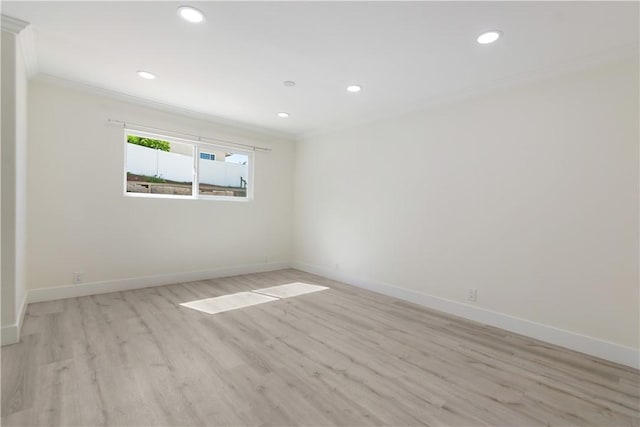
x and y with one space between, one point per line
343 356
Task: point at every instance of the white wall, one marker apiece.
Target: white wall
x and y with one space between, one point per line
8 90
528 194
14 203
21 179
79 220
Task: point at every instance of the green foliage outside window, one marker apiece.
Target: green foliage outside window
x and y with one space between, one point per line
156 144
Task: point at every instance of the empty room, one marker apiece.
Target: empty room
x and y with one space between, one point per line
320 213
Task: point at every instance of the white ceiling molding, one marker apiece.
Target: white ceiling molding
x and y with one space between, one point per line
245 128
26 41
12 25
27 44
622 53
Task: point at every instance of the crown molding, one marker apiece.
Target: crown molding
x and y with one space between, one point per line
168 108
12 25
621 53
27 43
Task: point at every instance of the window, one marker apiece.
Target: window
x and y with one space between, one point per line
160 166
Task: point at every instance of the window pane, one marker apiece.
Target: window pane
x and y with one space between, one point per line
159 167
226 174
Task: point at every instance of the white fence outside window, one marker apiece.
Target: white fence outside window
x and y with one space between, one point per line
178 167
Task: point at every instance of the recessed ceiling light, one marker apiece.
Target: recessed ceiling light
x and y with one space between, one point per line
146 75
489 37
354 88
283 114
289 83
191 14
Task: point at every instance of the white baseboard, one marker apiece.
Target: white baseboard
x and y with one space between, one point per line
103 287
617 353
11 334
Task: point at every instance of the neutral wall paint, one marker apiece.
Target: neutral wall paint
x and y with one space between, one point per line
528 194
8 178
80 221
21 180
14 165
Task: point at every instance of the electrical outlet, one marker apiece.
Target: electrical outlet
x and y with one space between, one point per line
337 266
266 259
77 277
472 294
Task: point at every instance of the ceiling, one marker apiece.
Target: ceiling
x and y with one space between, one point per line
406 55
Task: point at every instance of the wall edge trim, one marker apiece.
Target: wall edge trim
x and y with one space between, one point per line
11 334
11 24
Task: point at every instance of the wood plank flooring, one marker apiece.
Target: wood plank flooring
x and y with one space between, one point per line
343 356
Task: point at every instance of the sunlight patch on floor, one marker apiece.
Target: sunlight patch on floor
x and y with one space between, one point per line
228 302
238 300
290 290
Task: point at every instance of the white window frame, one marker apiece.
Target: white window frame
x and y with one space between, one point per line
197 146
